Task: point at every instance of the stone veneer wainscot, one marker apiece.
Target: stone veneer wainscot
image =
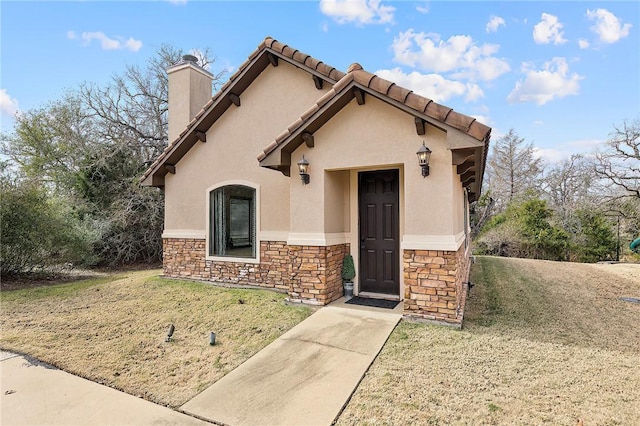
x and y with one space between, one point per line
310 274
434 280
435 284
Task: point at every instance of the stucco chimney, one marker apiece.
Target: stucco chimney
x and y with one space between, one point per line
189 90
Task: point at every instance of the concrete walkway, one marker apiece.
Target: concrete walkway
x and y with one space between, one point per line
306 376
34 393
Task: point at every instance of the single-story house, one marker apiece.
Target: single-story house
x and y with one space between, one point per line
292 164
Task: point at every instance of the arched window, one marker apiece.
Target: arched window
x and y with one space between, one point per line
232 226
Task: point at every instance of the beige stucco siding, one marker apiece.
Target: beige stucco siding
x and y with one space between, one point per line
377 136
189 90
269 105
458 203
336 201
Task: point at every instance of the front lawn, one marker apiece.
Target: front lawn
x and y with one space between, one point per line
543 342
112 330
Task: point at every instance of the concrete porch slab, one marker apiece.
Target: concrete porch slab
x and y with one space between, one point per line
304 377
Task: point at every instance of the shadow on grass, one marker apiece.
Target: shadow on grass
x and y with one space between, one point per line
556 302
67 287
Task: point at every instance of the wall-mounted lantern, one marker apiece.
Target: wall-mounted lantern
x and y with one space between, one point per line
423 159
303 167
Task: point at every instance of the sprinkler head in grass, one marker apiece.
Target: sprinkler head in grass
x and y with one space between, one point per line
170 333
212 338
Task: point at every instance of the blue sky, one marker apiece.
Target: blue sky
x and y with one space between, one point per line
560 73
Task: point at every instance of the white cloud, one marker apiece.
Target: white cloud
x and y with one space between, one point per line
549 155
494 23
548 30
608 27
585 144
424 8
564 151
459 54
541 86
8 105
432 86
484 119
584 44
325 27
357 11
474 92
107 43
178 2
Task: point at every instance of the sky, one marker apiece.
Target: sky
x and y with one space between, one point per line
561 74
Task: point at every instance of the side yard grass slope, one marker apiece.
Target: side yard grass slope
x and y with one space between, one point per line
112 331
543 342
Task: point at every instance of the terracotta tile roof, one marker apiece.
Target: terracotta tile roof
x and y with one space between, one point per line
421 105
343 92
269 44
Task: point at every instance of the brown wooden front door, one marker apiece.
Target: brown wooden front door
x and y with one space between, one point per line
378 195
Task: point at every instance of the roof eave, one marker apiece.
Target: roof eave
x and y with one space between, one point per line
236 85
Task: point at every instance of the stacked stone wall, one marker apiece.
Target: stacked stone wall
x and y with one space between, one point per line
435 284
317 273
184 258
311 274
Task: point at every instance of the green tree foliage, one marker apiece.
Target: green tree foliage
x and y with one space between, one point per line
525 229
595 239
91 147
38 232
49 143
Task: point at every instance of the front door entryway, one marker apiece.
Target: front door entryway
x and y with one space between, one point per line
378 195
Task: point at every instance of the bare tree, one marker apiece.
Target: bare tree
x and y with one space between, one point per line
619 164
513 169
132 108
93 145
567 186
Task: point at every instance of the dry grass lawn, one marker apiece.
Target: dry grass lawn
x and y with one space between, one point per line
112 330
543 342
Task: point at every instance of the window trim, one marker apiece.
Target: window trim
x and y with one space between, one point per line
231 259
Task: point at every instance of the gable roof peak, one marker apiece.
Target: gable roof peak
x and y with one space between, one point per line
237 83
354 67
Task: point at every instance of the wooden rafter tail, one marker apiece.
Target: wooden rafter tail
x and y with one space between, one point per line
420 126
273 59
317 81
308 139
235 99
359 94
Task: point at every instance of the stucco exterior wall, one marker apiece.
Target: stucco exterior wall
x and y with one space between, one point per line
457 192
189 90
377 136
268 105
336 201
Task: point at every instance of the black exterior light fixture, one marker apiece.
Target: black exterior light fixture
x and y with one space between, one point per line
303 166
423 159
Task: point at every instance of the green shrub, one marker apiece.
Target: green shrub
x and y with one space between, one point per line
595 239
38 232
348 269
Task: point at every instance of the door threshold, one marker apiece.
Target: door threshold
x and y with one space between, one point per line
370 295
